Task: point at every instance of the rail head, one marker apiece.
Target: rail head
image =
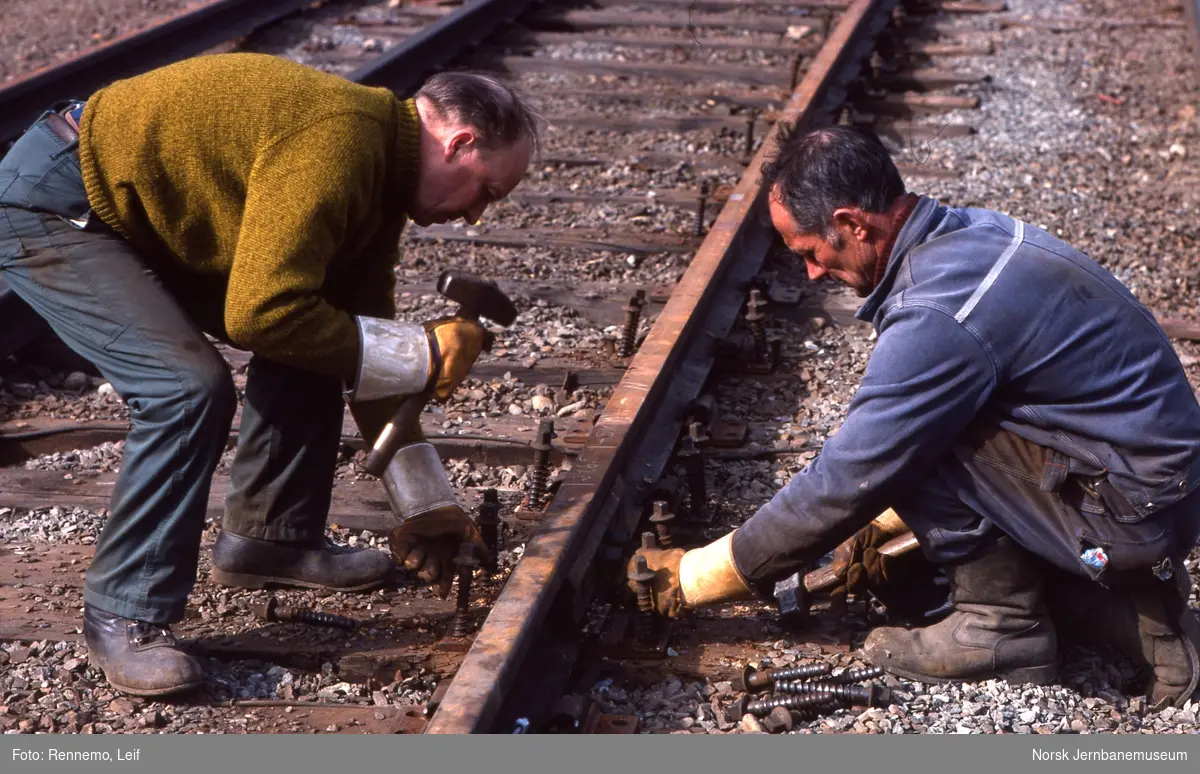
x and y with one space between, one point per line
590 498
179 36
403 67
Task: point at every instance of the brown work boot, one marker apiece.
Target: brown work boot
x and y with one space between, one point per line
249 563
1148 621
999 628
137 657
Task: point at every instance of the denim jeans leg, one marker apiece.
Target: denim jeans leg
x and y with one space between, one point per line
101 299
282 476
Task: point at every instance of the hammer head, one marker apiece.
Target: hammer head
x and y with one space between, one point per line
477 297
793 601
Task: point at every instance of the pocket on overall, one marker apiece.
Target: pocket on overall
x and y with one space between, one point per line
1111 536
41 173
1117 539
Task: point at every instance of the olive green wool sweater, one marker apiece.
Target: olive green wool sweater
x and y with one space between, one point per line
269 197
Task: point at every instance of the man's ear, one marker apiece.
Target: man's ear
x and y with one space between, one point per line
853 222
461 141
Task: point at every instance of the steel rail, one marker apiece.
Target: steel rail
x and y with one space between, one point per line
525 644
180 36
403 67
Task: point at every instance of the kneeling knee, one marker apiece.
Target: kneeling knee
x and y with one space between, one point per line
207 386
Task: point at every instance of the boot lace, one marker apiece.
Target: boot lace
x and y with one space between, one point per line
338 548
142 633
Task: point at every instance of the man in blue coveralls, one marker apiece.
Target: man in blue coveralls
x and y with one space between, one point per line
1022 413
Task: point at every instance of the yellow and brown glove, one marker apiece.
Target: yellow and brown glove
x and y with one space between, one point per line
690 579
427 543
456 343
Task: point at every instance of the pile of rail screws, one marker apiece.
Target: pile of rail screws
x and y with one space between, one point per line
803 692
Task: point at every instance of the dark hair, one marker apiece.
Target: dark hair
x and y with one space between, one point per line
821 170
497 112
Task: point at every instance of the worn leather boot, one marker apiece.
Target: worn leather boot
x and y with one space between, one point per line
1147 620
250 563
999 628
137 657
1169 636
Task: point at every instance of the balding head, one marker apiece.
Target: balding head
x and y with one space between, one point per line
478 136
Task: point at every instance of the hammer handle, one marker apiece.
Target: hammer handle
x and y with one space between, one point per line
407 418
395 433
825 578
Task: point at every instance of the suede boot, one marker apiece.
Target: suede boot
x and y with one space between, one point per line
999 628
249 563
137 657
1146 619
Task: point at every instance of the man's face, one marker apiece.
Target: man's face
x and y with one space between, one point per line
848 257
459 179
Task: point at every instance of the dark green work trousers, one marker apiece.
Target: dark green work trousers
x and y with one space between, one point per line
101 299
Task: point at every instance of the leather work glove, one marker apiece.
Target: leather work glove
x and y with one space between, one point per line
664 563
426 544
690 579
456 343
857 561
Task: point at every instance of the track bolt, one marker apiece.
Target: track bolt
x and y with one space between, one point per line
701 411
540 476
701 205
852 676
751 679
778 721
661 519
466 564
756 321
860 695
643 577
750 120
794 81
691 459
273 611
763 707
488 520
633 314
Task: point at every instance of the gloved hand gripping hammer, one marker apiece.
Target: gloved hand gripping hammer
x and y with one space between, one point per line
476 298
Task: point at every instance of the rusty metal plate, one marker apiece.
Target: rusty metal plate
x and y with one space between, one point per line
787 295
728 433
613 724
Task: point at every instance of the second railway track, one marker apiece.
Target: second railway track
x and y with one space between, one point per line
634 247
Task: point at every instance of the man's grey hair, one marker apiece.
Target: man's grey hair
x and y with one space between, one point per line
499 114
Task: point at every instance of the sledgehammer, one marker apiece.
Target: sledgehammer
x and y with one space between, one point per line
476 297
793 595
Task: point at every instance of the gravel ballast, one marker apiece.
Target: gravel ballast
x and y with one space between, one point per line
1092 136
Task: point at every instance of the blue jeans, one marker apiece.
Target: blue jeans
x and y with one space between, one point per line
106 302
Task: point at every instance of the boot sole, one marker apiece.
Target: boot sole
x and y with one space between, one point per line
145 691
243 581
1037 675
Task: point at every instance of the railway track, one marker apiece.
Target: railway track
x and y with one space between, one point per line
635 248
